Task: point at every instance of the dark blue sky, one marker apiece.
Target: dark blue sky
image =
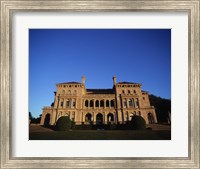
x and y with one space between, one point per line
62 55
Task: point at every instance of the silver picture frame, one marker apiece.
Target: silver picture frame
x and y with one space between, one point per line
9 7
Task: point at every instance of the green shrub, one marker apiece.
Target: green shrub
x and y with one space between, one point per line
63 123
73 124
138 123
111 126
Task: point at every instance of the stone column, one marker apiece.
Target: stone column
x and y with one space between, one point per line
94 118
127 103
105 117
71 103
120 118
64 103
133 103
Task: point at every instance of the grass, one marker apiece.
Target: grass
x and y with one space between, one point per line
100 135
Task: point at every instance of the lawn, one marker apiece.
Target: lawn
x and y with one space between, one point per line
100 135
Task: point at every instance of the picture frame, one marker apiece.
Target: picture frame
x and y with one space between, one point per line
8 8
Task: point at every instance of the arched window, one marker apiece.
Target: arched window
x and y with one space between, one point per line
69 91
99 119
91 103
86 103
110 117
88 118
129 91
123 91
107 103
97 103
112 103
101 103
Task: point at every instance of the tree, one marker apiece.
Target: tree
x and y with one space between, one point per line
162 107
63 123
30 116
138 123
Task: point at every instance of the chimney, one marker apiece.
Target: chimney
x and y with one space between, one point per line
114 80
83 80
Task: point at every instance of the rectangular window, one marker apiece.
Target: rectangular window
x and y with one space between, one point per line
137 103
74 103
130 103
125 104
61 104
67 103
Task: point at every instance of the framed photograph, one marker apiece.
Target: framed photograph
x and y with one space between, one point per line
46 46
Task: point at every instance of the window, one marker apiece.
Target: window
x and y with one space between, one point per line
101 103
97 103
143 98
112 103
91 103
137 102
107 103
123 91
125 103
134 91
61 104
74 103
67 103
86 103
130 102
63 91
69 91
129 91
88 118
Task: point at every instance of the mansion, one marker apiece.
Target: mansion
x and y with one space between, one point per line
116 105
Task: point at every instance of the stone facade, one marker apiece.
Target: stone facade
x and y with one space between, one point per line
99 106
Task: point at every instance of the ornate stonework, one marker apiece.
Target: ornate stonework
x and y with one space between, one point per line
99 106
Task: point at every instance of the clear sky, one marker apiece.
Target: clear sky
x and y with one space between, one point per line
63 55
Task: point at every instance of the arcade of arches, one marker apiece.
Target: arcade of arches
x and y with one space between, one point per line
99 106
